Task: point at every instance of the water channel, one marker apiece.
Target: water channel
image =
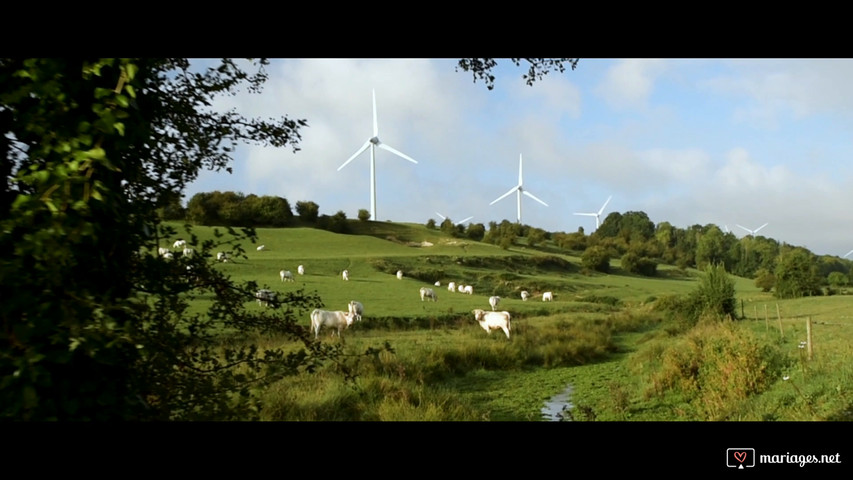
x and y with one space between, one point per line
555 409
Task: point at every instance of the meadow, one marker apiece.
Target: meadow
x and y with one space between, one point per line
626 358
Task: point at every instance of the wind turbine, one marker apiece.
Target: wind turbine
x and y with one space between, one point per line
848 253
753 232
519 189
597 215
372 143
456 223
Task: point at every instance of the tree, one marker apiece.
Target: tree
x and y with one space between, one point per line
764 279
308 211
596 258
797 274
363 214
482 68
716 293
99 328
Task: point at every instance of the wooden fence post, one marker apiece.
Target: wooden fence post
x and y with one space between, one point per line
779 318
766 320
809 337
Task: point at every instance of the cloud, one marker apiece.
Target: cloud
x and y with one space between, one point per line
628 84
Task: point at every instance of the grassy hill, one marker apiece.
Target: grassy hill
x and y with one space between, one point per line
597 335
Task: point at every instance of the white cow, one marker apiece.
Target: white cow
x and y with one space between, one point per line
335 320
221 257
468 289
168 255
300 270
451 287
524 295
399 274
188 251
493 320
428 293
162 251
356 308
345 274
494 301
286 275
179 244
547 297
264 297
437 284
460 288
261 248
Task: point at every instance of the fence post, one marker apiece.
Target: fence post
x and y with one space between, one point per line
766 320
809 337
779 318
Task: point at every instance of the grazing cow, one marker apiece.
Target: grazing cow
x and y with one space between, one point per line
493 320
162 251
300 270
179 244
437 284
468 289
494 301
399 274
286 275
356 308
460 288
264 297
168 255
261 248
451 287
335 320
188 251
345 274
524 295
547 297
221 257
428 293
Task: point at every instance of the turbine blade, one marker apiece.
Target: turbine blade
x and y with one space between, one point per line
469 218
759 228
748 230
519 169
587 214
510 192
848 253
533 197
605 204
375 120
359 152
440 215
386 147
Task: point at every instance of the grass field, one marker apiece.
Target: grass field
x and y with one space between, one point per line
597 335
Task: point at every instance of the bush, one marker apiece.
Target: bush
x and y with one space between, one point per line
596 258
363 214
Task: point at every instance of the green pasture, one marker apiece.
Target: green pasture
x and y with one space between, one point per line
597 334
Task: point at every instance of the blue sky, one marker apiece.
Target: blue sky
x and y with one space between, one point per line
688 141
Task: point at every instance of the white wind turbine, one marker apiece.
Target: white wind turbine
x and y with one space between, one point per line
455 223
372 143
753 232
597 215
519 189
848 253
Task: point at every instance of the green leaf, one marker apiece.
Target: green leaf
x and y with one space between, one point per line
119 126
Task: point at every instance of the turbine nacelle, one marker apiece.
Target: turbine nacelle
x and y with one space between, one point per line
519 190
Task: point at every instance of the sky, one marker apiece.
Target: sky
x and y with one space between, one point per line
731 142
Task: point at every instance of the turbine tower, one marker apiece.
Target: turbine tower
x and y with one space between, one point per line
455 223
597 215
753 232
519 189
372 143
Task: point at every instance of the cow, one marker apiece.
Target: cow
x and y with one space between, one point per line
399 274
428 293
265 297
525 295
286 275
300 270
493 320
547 297
468 289
335 320
494 301
345 274
356 308
451 287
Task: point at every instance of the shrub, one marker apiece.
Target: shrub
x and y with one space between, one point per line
596 258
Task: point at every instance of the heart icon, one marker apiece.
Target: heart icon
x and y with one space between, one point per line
740 456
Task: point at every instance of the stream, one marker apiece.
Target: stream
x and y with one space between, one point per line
553 411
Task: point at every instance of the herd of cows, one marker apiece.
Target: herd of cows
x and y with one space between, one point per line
337 320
